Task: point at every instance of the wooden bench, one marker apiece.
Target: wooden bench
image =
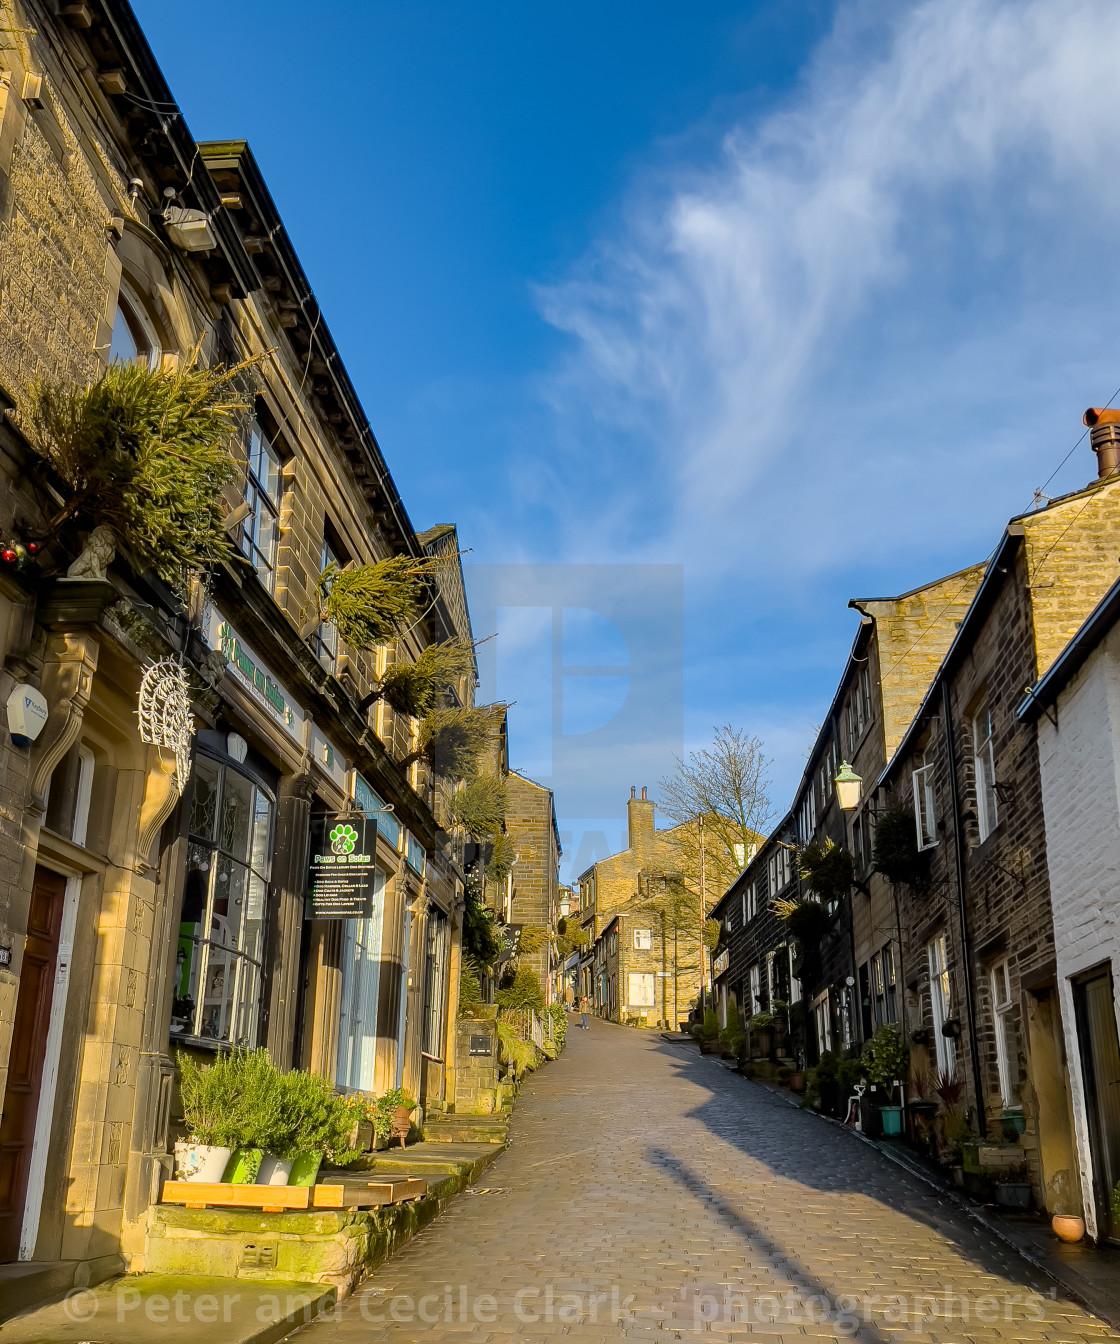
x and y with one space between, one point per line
282 1198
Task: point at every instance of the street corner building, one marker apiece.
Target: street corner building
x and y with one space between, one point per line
176 763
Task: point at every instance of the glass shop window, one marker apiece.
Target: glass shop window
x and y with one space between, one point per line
217 986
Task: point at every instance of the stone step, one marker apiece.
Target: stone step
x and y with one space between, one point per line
466 1129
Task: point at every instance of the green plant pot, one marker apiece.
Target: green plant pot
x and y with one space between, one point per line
305 1168
243 1166
970 1157
891 1117
1014 1123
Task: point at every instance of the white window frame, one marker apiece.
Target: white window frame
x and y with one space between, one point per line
1002 1006
82 796
794 982
925 807
822 1016
984 766
756 989
940 1002
640 989
325 638
643 940
129 305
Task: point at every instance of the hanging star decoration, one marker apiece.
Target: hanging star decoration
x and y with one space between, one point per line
164 712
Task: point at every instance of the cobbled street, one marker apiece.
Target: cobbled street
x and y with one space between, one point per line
651 1194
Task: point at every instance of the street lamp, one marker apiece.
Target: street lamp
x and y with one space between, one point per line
848 787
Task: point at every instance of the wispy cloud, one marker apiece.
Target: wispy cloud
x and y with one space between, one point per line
887 299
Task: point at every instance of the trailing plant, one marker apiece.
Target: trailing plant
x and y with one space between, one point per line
534 938
516 1053
479 937
523 992
471 971
886 1057
368 604
807 920
827 868
502 856
957 1131
453 739
712 931
416 688
896 853
149 454
480 806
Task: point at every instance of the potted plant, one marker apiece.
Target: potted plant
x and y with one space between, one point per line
885 1059
1013 1187
310 1123
216 1116
761 1028
709 1034
259 1082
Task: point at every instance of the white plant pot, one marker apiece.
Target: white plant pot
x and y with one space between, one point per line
273 1170
201 1161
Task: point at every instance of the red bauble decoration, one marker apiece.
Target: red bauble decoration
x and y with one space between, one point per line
32 548
8 555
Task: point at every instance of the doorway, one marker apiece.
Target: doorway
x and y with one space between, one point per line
1100 1063
29 1048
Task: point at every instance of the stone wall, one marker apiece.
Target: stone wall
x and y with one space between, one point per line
476 1076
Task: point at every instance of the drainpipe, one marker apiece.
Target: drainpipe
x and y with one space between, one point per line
966 941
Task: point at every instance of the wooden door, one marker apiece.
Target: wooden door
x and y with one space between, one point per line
25 1065
1100 1058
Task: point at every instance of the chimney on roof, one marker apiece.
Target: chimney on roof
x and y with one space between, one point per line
643 793
639 824
1104 437
633 791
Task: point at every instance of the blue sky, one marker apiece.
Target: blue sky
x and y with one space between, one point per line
802 299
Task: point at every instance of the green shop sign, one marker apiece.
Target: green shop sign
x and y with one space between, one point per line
343 875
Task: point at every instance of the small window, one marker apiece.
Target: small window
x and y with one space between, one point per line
794 982
940 999
756 989
133 341
643 940
325 639
925 811
1007 1054
984 763
260 532
640 991
749 900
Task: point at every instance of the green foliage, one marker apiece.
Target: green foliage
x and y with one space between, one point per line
710 1029
1115 1200
453 739
524 992
897 855
218 1108
534 938
517 1054
712 930
310 1118
479 938
416 688
368 604
471 971
957 1130
382 1110
559 1024
808 920
761 1022
147 453
886 1056
500 863
480 806
827 868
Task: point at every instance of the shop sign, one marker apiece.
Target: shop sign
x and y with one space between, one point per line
343 876
509 935
254 675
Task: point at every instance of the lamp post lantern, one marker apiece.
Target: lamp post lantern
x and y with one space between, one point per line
848 787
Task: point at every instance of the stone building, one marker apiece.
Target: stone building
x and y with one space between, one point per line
1076 710
847 988
146 908
644 896
978 969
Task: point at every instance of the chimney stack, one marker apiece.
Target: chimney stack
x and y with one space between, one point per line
639 824
1104 437
643 793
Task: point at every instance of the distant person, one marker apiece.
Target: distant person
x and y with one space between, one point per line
569 998
585 1013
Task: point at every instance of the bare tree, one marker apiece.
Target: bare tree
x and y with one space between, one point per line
725 786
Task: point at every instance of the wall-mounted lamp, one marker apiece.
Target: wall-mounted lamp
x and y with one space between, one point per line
849 786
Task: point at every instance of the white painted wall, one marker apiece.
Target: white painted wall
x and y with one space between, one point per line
1080 763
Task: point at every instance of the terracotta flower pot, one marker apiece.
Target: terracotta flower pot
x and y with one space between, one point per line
1068 1226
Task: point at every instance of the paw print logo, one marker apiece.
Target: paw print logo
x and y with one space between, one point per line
343 839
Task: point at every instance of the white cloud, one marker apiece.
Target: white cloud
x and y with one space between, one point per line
904 274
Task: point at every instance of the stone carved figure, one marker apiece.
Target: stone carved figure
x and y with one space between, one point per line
95 559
